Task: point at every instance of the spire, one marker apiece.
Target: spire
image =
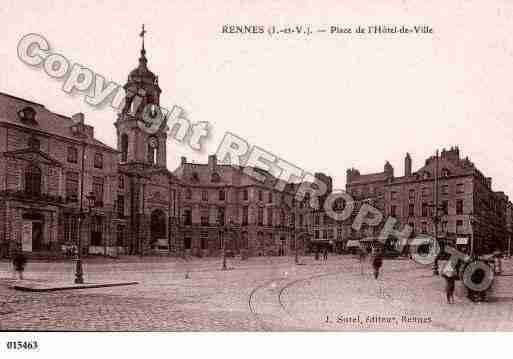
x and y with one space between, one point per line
143 59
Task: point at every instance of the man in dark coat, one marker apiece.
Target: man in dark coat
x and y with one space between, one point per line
377 262
19 261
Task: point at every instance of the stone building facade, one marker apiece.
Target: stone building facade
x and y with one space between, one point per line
468 207
46 162
60 186
223 206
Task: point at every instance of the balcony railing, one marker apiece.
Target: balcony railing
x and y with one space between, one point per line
23 195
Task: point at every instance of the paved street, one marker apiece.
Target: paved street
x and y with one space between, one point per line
265 293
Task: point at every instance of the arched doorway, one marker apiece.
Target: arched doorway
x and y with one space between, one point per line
157 227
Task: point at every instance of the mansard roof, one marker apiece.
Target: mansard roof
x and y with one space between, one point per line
44 120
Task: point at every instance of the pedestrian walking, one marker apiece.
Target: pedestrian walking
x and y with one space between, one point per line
450 273
325 253
377 262
18 262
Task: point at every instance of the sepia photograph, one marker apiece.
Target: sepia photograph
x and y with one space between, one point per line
231 168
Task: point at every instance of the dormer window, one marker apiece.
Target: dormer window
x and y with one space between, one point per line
28 115
426 175
34 143
215 177
445 172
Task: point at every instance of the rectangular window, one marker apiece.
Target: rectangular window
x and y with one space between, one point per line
411 210
260 195
204 195
393 195
393 211
204 240
269 217
70 229
317 220
220 216
459 206
187 243
222 195
245 215
187 217
72 154
72 186
98 160
424 227
301 220
316 233
270 198
96 231
444 226
120 235
459 226
245 195
204 217
121 206
424 191
411 194
292 219
425 208
460 188
260 216
445 189
98 191
412 226
445 208
325 234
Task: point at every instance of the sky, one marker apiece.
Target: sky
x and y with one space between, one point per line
323 102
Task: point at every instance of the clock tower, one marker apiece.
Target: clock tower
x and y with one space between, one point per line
141 131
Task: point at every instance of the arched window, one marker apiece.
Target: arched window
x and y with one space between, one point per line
124 147
33 181
152 154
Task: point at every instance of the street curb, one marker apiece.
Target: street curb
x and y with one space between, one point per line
28 288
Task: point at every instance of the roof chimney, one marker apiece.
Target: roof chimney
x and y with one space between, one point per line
407 165
212 163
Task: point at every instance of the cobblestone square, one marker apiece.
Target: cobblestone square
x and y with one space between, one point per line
258 294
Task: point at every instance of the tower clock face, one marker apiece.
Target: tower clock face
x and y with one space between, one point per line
154 142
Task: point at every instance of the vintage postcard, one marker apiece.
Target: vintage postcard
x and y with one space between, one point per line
255 166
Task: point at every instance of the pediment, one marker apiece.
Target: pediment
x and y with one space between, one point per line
33 155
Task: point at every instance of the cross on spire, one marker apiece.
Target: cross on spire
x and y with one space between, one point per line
143 32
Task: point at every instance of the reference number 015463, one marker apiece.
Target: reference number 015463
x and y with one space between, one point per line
22 345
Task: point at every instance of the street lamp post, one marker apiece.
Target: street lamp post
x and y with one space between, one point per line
471 221
226 231
436 218
79 271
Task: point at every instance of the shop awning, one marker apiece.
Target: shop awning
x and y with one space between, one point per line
462 240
